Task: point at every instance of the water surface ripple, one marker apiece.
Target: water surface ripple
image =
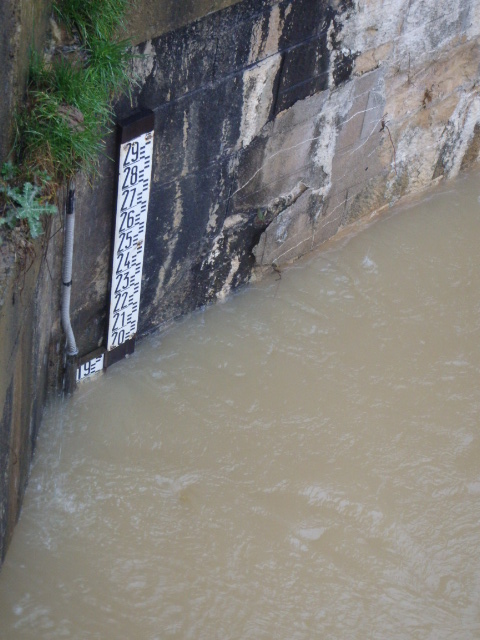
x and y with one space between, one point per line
300 462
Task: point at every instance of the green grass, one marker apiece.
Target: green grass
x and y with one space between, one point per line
100 28
103 19
68 112
68 106
68 109
109 64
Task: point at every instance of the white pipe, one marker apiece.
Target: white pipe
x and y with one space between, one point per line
67 272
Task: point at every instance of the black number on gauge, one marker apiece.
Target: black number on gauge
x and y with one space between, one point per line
128 220
132 153
123 282
131 177
118 338
125 241
124 261
121 301
128 196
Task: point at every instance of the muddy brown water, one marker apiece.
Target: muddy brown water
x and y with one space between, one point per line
300 462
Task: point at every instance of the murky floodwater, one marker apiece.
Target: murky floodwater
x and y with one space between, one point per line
300 462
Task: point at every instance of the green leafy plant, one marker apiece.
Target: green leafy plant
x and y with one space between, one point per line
25 204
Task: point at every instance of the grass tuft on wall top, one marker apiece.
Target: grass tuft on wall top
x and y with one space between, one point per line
67 110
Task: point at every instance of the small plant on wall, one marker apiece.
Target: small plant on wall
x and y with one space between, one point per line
26 203
67 111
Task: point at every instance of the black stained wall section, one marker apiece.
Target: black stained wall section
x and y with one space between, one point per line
206 83
203 70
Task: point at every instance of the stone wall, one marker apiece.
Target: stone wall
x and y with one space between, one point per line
28 284
277 124
24 25
29 300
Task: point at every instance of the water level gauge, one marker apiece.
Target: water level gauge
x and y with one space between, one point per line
133 190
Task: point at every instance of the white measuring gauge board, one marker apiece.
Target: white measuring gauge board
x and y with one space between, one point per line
90 367
134 175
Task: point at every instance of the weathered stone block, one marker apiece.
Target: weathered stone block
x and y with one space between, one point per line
196 130
162 16
371 59
363 199
184 216
246 36
181 62
332 214
305 19
290 234
304 72
357 159
274 165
